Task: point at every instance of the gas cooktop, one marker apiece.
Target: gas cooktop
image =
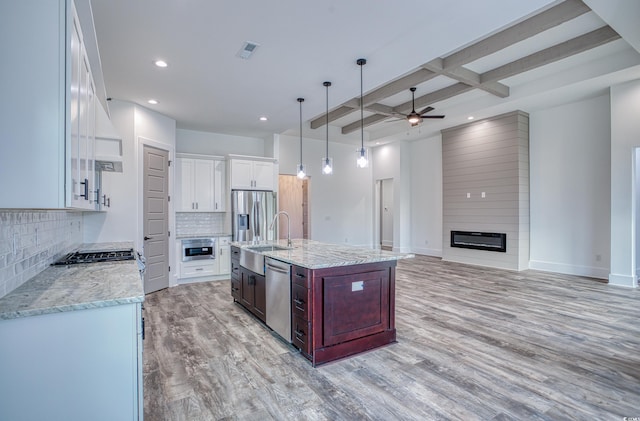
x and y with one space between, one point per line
95 257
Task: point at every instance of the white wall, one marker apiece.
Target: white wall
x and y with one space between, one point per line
570 188
426 196
625 137
120 222
192 141
341 204
393 161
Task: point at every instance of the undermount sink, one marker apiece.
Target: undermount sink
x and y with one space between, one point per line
260 249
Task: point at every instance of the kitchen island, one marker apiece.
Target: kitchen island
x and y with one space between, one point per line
342 297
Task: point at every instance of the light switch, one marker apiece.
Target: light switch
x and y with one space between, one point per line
468 195
483 195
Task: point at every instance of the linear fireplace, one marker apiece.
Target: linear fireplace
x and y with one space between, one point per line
491 241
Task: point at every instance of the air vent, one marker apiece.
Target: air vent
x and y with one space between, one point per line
248 48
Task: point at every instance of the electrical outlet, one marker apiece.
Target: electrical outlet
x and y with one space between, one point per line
598 257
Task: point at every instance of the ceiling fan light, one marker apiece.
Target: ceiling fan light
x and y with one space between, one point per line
413 118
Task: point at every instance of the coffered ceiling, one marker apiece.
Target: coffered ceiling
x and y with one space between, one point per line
465 58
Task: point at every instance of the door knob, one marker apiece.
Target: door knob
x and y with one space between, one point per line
146 238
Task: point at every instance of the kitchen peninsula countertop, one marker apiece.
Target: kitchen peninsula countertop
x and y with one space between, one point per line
312 254
76 287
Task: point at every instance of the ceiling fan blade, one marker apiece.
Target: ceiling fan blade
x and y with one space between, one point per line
432 116
426 110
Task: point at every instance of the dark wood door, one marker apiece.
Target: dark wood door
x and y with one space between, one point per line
355 305
260 297
247 290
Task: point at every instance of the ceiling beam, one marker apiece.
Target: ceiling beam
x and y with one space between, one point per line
464 75
557 52
368 121
333 115
554 16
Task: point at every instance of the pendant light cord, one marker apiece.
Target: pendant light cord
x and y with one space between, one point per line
300 100
327 84
361 62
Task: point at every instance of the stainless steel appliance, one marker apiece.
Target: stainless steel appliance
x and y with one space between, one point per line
198 249
95 257
252 211
278 297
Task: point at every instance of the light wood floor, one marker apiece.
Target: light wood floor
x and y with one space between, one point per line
473 343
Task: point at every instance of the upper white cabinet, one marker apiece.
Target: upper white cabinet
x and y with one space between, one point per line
248 174
48 117
200 184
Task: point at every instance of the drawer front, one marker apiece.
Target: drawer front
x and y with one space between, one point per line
235 288
301 276
195 271
301 301
224 241
300 330
235 270
235 253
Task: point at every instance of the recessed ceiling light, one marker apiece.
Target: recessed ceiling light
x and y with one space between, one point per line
153 101
470 117
263 118
160 63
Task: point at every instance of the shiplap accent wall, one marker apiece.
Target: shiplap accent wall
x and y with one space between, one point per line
490 156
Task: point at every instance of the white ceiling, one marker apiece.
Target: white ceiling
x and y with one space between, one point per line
304 43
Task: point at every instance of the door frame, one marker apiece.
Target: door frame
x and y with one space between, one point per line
139 243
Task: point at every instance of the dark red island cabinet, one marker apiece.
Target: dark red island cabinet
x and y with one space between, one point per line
248 287
342 311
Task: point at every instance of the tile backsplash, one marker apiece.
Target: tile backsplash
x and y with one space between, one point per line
201 223
30 240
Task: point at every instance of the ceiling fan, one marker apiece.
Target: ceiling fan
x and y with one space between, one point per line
415 118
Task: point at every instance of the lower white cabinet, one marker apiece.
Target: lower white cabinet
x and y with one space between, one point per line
73 365
224 255
198 268
216 268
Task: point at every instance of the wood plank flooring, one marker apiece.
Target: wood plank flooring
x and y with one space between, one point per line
473 344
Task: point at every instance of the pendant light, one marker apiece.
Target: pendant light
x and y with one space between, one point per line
362 161
300 169
327 163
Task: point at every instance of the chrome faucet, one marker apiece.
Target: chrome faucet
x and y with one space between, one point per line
288 225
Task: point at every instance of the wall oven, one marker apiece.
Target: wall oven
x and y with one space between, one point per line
198 249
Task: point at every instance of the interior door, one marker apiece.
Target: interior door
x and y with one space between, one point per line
386 214
293 193
156 219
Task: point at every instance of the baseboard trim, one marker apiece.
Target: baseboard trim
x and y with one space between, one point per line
628 281
589 271
427 251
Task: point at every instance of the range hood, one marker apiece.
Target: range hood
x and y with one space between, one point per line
109 164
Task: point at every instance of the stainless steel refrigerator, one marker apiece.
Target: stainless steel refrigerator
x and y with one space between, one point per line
252 212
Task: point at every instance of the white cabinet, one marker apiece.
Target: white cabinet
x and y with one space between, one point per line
224 255
197 268
200 185
73 365
220 186
249 174
47 97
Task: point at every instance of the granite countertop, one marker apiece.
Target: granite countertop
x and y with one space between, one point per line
76 287
317 255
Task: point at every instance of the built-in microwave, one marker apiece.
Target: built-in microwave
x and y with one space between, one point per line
198 249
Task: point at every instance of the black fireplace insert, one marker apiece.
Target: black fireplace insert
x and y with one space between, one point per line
491 241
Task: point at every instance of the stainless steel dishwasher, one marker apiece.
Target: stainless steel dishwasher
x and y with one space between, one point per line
278 291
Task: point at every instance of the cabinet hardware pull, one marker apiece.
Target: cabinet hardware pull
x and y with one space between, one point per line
104 200
86 189
300 275
108 202
199 268
299 334
298 303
